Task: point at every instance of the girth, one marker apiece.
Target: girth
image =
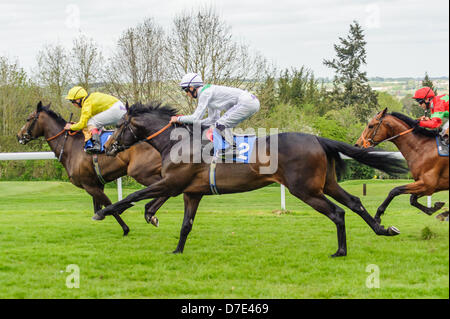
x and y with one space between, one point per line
97 168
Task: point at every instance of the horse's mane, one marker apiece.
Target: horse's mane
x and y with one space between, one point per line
152 107
58 118
413 124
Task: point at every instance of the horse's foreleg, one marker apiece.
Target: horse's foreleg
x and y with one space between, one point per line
100 199
392 194
427 210
418 188
151 209
354 203
190 208
158 189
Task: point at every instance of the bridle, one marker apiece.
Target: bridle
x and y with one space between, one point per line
370 142
28 136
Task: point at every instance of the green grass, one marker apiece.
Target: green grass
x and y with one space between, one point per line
238 248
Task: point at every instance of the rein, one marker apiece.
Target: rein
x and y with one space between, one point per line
62 132
159 132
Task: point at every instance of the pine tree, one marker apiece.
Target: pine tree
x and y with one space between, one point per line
427 82
351 86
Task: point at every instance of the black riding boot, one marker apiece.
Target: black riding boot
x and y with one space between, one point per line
96 145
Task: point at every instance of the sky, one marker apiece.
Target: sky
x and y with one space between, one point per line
405 38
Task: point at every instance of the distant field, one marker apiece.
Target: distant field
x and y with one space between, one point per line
238 248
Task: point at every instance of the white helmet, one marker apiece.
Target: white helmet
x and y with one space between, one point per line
191 79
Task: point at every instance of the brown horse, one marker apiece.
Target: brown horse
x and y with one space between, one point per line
306 165
418 147
141 162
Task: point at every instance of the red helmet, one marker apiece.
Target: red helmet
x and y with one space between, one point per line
424 93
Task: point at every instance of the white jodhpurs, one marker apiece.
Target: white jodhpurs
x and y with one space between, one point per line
109 117
246 106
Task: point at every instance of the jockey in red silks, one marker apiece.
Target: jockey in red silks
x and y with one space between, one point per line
438 106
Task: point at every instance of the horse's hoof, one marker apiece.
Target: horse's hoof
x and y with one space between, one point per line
98 217
176 251
339 253
154 221
393 231
438 205
125 232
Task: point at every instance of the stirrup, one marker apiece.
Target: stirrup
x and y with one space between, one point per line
94 150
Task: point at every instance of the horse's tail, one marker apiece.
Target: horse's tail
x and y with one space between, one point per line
383 161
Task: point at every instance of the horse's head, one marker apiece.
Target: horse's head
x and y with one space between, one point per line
139 123
124 136
33 127
375 132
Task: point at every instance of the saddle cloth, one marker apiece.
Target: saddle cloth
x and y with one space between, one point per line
244 144
441 147
104 136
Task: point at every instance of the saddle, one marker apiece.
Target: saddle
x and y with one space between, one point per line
104 136
442 146
243 142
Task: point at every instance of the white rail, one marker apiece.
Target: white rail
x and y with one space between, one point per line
51 155
25 156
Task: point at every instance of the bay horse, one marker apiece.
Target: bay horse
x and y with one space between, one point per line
307 166
142 162
418 147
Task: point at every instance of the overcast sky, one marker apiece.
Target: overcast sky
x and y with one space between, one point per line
404 37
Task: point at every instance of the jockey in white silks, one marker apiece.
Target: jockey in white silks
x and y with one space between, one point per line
238 105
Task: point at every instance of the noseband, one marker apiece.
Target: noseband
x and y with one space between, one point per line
28 134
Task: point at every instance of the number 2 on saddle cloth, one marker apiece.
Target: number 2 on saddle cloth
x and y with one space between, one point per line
244 144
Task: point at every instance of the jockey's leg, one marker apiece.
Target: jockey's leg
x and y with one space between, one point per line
109 117
444 133
247 105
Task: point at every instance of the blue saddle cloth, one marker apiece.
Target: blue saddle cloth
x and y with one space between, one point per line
104 136
441 148
244 144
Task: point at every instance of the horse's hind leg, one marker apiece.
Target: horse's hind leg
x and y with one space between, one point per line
427 210
323 205
333 189
100 199
151 209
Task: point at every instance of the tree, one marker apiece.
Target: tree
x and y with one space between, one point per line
351 86
17 93
54 71
427 82
200 41
137 70
86 61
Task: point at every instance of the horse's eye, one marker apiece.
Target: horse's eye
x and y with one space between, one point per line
370 126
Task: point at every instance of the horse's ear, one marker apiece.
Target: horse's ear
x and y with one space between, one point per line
49 104
383 113
127 106
39 106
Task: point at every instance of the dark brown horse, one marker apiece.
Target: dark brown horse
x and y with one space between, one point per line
306 165
418 147
142 162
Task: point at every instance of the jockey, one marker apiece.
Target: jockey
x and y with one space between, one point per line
97 110
438 105
237 104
